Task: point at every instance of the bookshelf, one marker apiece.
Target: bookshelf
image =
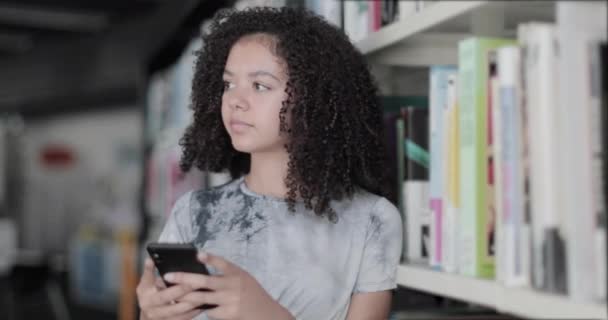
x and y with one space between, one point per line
520 302
431 37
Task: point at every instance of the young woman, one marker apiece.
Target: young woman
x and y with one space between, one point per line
284 101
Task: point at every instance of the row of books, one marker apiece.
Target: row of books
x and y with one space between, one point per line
360 18
168 113
514 185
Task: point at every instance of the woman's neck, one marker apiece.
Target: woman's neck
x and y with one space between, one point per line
267 174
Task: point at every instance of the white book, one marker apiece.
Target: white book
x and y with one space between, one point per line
513 229
437 108
598 154
579 25
416 195
331 10
548 223
350 20
451 174
356 19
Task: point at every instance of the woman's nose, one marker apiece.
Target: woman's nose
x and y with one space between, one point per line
238 100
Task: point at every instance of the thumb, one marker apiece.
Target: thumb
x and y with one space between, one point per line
147 278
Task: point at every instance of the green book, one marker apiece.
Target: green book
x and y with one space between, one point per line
476 224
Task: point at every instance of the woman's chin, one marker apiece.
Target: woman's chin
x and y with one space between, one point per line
243 147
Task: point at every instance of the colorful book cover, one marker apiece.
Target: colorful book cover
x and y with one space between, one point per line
476 258
438 106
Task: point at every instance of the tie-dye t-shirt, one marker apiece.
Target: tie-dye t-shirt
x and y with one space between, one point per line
310 265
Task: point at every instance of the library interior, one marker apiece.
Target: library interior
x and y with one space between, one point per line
502 210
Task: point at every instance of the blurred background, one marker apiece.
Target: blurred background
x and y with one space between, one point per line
94 97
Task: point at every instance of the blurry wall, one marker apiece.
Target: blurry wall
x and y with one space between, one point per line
79 168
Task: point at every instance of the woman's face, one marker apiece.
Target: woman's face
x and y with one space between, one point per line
254 89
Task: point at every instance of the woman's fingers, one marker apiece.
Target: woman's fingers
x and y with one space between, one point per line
188 316
200 298
170 311
160 284
197 281
224 266
169 295
146 283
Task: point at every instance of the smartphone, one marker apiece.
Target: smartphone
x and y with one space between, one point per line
177 257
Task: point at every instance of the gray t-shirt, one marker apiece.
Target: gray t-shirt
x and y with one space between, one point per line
310 265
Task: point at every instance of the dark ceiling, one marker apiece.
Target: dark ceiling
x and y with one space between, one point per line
94 48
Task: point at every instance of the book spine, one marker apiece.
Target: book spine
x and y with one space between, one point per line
495 161
438 103
513 242
451 176
476 229
548 237
579 25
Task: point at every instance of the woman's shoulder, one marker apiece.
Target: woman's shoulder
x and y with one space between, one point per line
366 206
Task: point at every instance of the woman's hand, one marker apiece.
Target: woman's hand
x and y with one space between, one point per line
235 292
158 302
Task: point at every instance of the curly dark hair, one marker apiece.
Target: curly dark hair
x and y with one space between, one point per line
336 135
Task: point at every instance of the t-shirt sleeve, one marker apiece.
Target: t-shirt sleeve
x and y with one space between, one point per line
178 228
382 251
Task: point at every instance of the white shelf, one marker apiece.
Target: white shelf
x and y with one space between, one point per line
431 36
415 23
521 302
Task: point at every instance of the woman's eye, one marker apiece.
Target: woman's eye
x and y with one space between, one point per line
260 87
228 85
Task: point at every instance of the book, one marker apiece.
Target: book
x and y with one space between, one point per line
356 19
330 10
375 15
540 87
513 229
603 56
415 185
494 161
389 11
438 106
476 257
598 111
580 26
392 106
451 171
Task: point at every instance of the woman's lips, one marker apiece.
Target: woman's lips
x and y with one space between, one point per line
239 126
